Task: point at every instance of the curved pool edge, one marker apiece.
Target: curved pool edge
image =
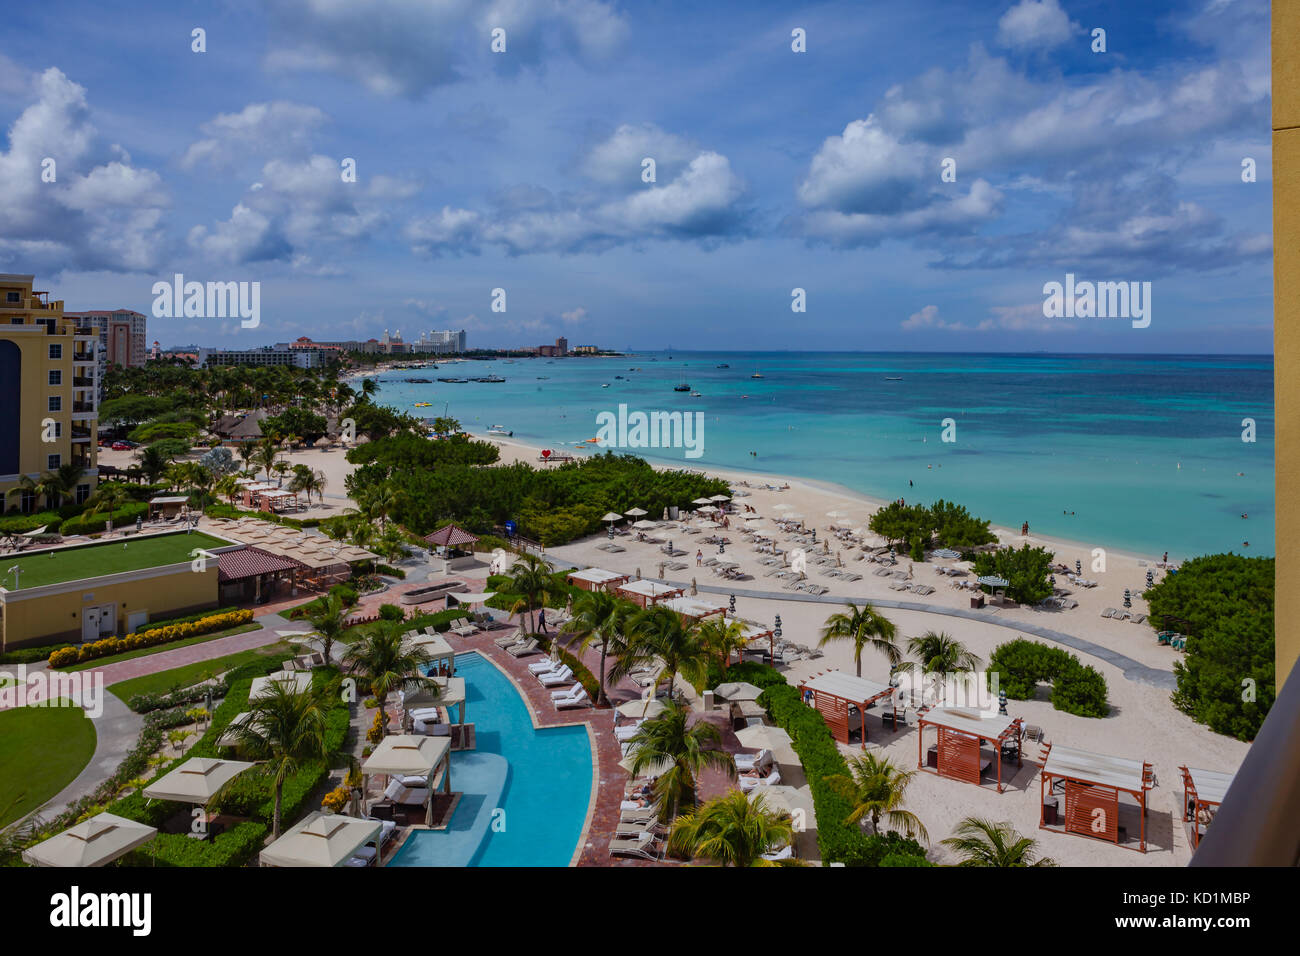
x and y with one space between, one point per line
593 792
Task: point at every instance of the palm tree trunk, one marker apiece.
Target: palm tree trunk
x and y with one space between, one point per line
279 795
601 697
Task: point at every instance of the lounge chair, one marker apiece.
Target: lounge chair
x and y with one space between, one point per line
1138 619
762 758
579 699
544 667
624 734
1110 612
507 640
749 783
643 847
529 646
785 853
557 677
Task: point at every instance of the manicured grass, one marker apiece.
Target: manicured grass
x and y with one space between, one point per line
109 557
42 749
158 648
191 674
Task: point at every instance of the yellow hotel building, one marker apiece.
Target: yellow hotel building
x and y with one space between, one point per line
48 402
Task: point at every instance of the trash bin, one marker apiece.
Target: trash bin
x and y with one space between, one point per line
1049 810
977 602
672 512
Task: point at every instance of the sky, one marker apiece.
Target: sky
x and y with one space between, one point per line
525 169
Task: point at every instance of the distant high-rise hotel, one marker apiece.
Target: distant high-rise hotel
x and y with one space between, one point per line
559 349
48 390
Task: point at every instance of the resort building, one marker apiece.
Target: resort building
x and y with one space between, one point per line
266 355
122 339
89 591
48 388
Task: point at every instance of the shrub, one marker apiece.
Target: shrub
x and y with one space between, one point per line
1026 570
151 637
1021 665
125 515
376 732
336 800
391 612
30 655
760 675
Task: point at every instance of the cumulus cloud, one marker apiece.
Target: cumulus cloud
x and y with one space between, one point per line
101 212
1037 24
1018 318
408 47
703 201
259 129
574 316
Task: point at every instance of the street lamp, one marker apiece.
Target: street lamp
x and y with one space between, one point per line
15 571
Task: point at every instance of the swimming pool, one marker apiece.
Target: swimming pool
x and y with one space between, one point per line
525 791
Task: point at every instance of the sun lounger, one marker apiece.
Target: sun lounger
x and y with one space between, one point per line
554 678
1109 612
544 667
1138 618
785 853
529 646
749 783
506 640
746 762
643 847
579 699
624 734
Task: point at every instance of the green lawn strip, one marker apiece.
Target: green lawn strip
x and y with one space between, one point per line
42 749
190 674
72 564
157 648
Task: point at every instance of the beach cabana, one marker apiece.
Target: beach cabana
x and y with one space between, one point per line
436 646
1092 785
962 734
166 506
1203 791
321 839
297 682
196 781
596 579
753 633
95 842
835 695
645 593
694 608
450 537
408 755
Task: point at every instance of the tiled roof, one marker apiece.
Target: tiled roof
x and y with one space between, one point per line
248 562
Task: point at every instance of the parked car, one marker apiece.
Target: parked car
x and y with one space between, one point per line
122 446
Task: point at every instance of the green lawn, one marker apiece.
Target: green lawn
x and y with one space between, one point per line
159 648
109 557
42 749
191 674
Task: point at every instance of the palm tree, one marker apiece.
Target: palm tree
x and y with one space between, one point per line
530 578
285 728
107 499
865 627
265 455
381 501
389 663
982 842
228 488
26 483
63 481
600 620
306 480
735 829
153 462
659 634
723 636
368 388
876 790
327 619
682 751
939 655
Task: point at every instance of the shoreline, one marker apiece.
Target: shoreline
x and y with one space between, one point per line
830 489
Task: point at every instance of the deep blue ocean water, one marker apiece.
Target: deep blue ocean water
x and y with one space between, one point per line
1146 451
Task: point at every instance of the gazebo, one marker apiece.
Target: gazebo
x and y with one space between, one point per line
836 694
296 682
408 755
95 842
1092 784
695 608
450 537
962 734
595 579
167 506
436 647
196 781
1203 791
321 839
644 593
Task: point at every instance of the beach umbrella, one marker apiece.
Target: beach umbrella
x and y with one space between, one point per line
635 512
1150 578
733 600
656 769
737 690
702 501
1128 598
993 581
645 525
611 516
1078 566
705 509
762 737
641 707
835 514
719 498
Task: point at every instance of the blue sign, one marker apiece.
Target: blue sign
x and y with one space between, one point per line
510 529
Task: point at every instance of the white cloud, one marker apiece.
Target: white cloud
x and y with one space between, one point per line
574 316
277 128
1040 24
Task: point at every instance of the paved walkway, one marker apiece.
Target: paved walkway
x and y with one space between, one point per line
117 730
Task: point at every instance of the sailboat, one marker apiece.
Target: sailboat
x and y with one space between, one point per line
683 387
757 373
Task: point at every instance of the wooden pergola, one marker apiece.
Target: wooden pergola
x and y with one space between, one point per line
1203 791
1091 784
962 734
644 593
833 693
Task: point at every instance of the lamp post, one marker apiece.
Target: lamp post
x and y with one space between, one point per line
732 602
16 571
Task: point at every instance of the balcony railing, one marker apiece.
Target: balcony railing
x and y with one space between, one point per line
79 407
82 382
1257 823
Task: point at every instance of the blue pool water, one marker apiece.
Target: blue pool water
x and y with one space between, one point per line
525 791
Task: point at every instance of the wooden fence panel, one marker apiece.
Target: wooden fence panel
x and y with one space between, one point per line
1092 810
959 756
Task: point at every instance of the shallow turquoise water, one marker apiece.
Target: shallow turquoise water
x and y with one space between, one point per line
1145 451
525 791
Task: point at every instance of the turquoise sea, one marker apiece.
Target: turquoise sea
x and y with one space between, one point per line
1144 452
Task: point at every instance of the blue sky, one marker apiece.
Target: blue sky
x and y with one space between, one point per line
522 170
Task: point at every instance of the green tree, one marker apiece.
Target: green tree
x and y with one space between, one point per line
389 662
876 789
661 638
735 829
327 618
865 627
530 578
982 842
600 620
679 752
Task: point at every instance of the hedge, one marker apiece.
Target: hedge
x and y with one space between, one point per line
31 655
580 671
1021 665
123 516
150 637
181 696
164 622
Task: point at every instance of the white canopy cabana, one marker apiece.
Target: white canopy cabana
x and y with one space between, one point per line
591 579
408 755
1203 791
196 780
693 607
321 839
95 842
435 646
1092 783
835 692
962 732
299 682
647 592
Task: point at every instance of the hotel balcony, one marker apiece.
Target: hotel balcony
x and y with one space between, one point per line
81 434
80 408
81 381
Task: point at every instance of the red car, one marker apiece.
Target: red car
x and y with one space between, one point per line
121 446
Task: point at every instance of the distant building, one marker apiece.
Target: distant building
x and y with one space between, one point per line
560 348
266 355
49 390
585 350
122 338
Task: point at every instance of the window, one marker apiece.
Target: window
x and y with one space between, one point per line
83 492
27 502
13 297
58 429
56 404
56 377
52 462
56 351
16 320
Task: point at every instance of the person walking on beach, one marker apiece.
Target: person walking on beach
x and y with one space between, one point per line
699 557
